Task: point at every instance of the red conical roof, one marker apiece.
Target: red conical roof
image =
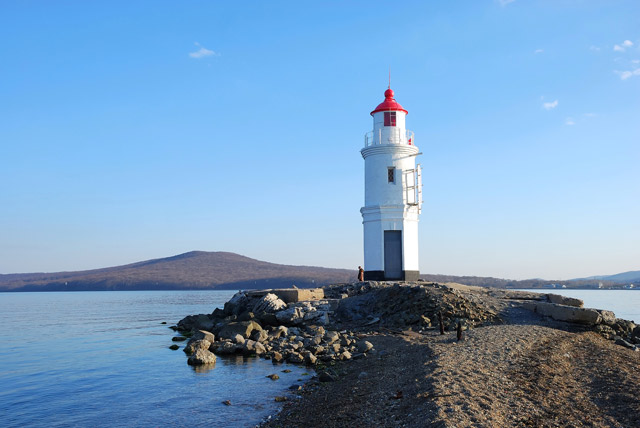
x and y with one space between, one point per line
389 103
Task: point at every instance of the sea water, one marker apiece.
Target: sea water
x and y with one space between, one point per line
624 303
102 359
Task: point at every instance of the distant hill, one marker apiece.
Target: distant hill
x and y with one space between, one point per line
199 270
624 277
194 270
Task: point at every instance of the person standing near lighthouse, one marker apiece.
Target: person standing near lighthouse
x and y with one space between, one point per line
393 196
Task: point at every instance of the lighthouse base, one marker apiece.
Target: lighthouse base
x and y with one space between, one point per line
378 275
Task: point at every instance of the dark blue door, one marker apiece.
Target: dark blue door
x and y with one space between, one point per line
393 254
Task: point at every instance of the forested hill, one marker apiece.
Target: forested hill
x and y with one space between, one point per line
222 270
193 270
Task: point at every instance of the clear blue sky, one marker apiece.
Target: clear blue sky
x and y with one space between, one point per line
138 130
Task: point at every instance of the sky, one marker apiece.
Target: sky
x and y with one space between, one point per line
139 130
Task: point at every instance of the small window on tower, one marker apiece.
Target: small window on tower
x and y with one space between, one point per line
389 118
391 174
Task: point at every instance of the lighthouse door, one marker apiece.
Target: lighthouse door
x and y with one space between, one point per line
393 254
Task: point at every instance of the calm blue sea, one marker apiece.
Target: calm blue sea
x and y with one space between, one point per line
101 359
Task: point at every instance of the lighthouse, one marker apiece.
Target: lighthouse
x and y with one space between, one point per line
392 195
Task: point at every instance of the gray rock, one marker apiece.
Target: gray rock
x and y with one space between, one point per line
316 350
290 316
270 303
331 336
279 332
345 355
203 335
295 358
227 348
194 345
259 336
246 316
236 304
200 357
316 317
607 317
259 348
309 358
563 300
364 346
249 347
243 328
316 330
622 342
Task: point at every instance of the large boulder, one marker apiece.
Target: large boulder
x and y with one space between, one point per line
290 316
269 303
194 344
607 317
196 322
203 335
243 328
200 357
237 304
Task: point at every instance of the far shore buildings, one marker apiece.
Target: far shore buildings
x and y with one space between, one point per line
392 196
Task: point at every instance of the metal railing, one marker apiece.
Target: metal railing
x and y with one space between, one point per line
389 135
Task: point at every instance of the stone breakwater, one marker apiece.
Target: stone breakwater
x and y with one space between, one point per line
320 326
261 323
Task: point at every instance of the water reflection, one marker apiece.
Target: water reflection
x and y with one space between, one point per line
204 368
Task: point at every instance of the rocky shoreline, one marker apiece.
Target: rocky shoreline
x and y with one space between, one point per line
381 359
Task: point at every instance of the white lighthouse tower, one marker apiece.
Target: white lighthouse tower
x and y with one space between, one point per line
392 196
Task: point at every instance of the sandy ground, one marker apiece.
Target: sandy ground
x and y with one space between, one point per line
528 372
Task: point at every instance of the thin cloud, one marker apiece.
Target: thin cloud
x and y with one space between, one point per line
594 48
550 106
505 2
623 46
589 115
538 51
202 52
624 75
569 121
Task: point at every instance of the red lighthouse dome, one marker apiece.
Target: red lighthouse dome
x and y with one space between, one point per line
389 103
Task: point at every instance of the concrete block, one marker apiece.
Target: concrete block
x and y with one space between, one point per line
569 313
563 300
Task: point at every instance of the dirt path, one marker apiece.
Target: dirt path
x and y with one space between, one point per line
528 371
382 390
499 376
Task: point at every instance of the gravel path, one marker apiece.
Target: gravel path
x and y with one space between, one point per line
527 372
